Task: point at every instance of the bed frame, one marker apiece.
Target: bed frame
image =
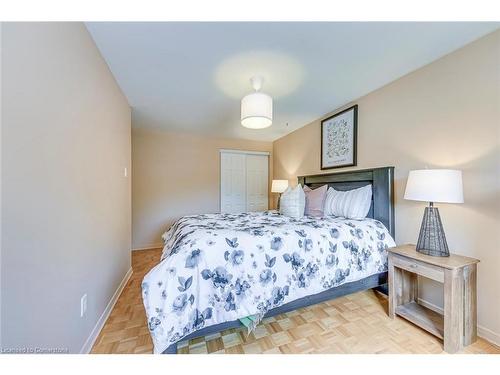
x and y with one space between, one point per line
382 209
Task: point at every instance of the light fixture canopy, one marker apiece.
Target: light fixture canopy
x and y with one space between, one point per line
257 107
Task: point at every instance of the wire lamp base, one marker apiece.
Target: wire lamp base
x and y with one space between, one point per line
432 240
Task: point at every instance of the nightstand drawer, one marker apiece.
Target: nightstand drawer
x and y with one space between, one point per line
420 268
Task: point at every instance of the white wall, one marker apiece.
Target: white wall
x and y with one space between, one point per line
66 210
444 115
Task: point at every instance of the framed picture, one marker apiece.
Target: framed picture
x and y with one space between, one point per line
339 139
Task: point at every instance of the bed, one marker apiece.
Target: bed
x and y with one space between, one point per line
219 268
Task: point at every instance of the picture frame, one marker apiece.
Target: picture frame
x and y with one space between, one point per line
339 138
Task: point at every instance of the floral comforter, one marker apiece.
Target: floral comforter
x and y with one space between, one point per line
222 267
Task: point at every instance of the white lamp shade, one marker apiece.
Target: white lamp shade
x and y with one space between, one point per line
435 185
257 111
279 186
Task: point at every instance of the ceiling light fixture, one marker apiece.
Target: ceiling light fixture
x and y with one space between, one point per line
257 107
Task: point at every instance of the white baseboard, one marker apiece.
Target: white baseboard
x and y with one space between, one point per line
483 332
87 347
488 335
149 247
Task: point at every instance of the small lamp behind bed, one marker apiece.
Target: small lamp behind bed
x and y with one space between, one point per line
279 186
434 185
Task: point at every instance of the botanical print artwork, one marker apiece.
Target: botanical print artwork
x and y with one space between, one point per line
222 267
338 139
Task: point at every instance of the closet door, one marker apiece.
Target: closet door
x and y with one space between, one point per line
257 177
233 182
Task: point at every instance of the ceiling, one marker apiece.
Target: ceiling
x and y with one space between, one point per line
192 76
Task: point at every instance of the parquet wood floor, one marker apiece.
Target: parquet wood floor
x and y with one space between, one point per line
357 323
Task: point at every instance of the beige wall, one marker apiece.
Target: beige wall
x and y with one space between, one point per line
66 204
176 174
444 115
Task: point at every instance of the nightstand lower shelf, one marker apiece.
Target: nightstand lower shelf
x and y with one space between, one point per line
423 317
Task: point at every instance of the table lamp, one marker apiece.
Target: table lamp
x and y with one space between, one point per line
434 185
279 186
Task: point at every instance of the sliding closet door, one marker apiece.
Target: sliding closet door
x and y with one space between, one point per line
233 182
244 179
257 182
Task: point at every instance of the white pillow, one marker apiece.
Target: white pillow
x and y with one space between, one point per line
293 202
352 204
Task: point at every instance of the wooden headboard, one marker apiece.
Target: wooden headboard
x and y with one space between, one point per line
381 179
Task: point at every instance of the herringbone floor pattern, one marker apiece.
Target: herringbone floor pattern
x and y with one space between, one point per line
357 323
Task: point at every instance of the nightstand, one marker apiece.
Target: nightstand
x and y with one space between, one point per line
458 326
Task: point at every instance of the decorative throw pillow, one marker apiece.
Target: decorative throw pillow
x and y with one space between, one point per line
352 204
292 202
315 201
327 210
